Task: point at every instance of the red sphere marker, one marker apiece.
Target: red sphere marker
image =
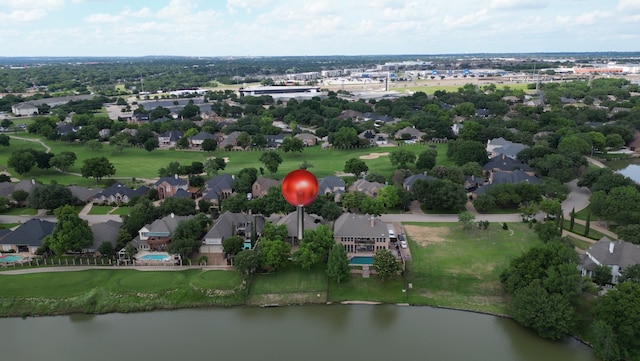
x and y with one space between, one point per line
300 188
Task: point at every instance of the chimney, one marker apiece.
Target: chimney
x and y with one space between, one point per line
175 176
172 215
33 181
372 218
611 246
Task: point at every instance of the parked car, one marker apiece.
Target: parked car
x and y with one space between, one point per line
403 244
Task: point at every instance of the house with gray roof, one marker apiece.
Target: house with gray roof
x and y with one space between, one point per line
169 139
103 232
414 134
408 182
261 186
195 142
228 225
361 233
330 184
230 140
169 186
119 194
311 221
84 194
366 187
218 188
503 163
517 176
157 235
307 139
500 146
27 237
612 253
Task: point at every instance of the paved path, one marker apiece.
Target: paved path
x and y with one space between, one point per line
577 199
46 147
596 162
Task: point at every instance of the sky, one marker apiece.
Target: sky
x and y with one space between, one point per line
320 27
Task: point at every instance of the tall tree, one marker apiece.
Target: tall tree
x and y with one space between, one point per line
385 264
427 159
71 233
97 168
22 161
246 261
271 160
63 161
209 145
338 264
355 166
619 309
402 158
50 197
292 144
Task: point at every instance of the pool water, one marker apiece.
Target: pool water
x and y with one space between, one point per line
361 260
10 258
155 257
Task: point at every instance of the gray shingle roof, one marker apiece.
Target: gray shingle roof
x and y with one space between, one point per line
217 184
412 179
514 177
167 224
202 136
29 233
311 221
83 193
505 163
330 183
225 224
105 232
173 181
352 225
612 253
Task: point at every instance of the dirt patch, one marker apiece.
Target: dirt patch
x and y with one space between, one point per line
226 159
373 155
343 174
271 299
424 236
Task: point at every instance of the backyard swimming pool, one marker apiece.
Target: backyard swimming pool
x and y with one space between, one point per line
155 257
8 258
361 260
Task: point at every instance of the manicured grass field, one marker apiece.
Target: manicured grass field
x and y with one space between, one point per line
20 212
431 89
368 289
71 284
451 267
100 210
138 163
291 279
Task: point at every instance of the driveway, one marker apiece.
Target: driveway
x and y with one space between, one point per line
577 199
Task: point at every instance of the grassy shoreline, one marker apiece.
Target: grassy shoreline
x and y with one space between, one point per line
451 273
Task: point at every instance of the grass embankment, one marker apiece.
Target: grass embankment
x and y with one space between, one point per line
455 268
103 291
139 163
450 267
580 229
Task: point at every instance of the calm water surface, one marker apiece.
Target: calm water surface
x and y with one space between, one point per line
288 333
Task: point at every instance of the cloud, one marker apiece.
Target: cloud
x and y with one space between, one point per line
466 21
247 5
33 4
22 16
518 4
626 5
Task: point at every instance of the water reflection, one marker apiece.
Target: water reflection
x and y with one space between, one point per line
307 333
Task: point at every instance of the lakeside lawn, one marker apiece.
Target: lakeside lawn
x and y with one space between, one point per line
72 284
289 285
368 289
451 267
139 163
116 290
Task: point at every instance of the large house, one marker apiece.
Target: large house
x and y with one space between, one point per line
311 221
27 237
171 187
307 139
408 182
196 141
228 225
103 232
503 163
218 188
615 254
361 233
262 185
119 194
366 187
157 235
409 133
169 139
500 146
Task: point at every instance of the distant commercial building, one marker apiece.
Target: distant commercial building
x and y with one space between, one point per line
281 91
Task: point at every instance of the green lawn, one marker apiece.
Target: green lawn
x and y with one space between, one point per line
100 210
582 214
579 229
368 289
291 279
71 284
20 212
431 89
121 211
8 225
452 267
137 162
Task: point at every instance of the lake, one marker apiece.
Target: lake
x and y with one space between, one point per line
310 333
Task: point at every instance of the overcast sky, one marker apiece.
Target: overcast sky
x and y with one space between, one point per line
320 27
